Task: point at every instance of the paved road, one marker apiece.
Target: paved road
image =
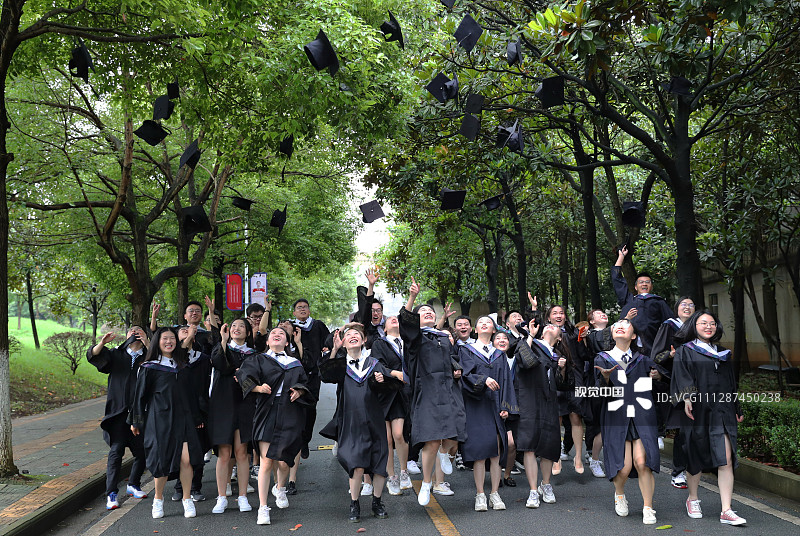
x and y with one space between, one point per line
584 507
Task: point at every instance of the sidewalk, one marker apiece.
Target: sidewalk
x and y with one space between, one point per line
64 455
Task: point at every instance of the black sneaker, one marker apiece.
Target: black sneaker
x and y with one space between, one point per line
304 453
377 508
510 482
355 511
177 496
291 488
198 496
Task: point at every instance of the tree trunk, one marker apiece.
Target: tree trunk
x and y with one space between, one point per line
219 282
563 267
95 314
31 311
740 359
19 311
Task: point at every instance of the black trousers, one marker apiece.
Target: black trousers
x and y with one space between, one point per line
311 411
120 437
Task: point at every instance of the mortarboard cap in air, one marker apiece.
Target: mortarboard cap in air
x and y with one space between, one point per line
173 90
151 132
470 127
191 156
679 86
511 137
162 108
448 3
452 199
492 203
633 214
392 28
372 211
80 62
474 103
287 145
194 220
551 91
241 202
468 33
514 53
278 219
321 54
443 88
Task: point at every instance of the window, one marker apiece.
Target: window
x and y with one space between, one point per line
713 304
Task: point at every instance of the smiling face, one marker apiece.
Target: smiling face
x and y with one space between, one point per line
557 316
501 341
427 316
392 323
685 309
706 328
167 343
599 320
193 314
238 330
644 284
513 319
622 331
277 339
463 328
484 325
377 313
551 333
352 338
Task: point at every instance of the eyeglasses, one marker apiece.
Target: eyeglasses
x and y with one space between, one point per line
644 282
255 317
194 311
705 324
301 307
688 305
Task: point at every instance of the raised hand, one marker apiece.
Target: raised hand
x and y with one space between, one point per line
210 305
372 276
448 310
107 338
606 372
621 254
225 333
337 341
414 289
633 312
156 308
267 304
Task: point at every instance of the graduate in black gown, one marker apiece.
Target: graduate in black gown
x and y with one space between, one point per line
597 339
703 381
121 364
664 348
370 309
361 428
488 400
231 415
277 381
541 373
388 349
437 406
165 409
502 341
630 443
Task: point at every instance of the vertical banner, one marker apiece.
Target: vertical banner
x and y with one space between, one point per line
258 289
234 295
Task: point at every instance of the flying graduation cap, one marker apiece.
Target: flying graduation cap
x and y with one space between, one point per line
278 219
321 54
474 103
162 108
80 62
287 145
392 28
448 3
679 86
493 203
371 211
470 127
173 90
468 33
151 132
452 199
633 214
191 156
443 88
194 220
241 202
514 53
511 137
551 91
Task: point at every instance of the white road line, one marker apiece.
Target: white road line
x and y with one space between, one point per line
115 515
747 502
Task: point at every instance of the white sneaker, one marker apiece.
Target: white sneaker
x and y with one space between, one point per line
480 503
496 502
335 449
250 489
620 505
207 457
413 468
729 517
281 500
564 455
228 491
235 473
424 496
188 508
443 488
136 492
111 501
533 499
158 508
405 480
222 504
254 471
546 490
244 505
660 445
693 508
263 515
679 481
366 489
393 485
648 516
444 461
597 468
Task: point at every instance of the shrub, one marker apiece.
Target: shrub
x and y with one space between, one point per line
771 432
14 346
70 346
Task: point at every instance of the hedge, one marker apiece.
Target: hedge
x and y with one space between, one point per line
771 432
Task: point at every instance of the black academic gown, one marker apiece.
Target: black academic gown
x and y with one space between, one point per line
364 315
710 377
582 375
614 424
651 309
228 410
360 427
437 406
121 370
483 406
276 420
167 413
539 380
395 404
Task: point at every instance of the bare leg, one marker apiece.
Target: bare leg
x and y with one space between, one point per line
400 443
479 474
622 477
282 474
428 455
512 454
264 473
243 464
532 470
293 469
725 478
577 438
495 473
186 472
223 470
597 444
161 483
547 470
355 484
390 459
378 481
647 483
693 482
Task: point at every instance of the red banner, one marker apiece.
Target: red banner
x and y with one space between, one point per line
234 295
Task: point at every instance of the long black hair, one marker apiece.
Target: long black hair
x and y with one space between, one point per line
688 331
248 338
179 355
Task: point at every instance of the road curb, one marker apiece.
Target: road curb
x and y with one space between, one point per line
758 475
46 517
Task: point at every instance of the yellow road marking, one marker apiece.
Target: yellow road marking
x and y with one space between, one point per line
325 447
437 515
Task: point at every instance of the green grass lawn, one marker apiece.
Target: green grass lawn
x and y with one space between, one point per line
40 381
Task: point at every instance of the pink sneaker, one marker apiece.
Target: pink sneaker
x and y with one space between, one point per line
729 517
693 508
